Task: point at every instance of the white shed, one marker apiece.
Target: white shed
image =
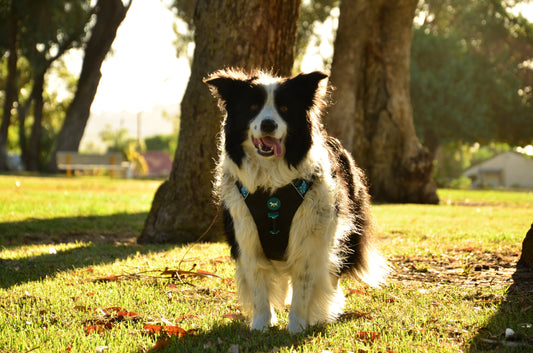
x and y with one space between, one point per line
508 169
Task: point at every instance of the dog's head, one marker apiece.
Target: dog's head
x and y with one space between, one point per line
266 116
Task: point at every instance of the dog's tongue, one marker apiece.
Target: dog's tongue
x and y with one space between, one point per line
274 143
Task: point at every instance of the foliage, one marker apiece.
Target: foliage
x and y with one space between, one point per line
70 282
132 149
167 143
468 80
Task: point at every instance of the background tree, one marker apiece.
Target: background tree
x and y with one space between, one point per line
470 81
244 33
372 113
38 34
9 17
109 16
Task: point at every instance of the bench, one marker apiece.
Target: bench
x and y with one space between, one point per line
114 162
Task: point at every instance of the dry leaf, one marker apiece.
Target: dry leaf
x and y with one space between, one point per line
234 316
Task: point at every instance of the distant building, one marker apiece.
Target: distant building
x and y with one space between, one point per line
508 170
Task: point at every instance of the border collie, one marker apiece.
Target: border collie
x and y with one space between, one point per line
295 205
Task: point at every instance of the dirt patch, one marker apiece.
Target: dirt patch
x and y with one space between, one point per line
465 267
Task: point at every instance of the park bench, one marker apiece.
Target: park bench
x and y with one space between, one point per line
114 162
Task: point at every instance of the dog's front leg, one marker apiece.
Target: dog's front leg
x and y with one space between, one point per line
302 288
254 292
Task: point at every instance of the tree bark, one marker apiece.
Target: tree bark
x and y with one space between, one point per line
110 14
34 148
244 33
11 90
372 113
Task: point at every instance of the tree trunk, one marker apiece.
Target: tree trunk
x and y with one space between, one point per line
109 16
372 113
11 87
243 33
34 148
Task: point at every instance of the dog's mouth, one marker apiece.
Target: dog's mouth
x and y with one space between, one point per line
268 146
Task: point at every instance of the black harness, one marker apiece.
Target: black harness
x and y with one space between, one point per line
273 213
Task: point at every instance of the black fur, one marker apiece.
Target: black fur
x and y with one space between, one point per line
229 229
243 101
298 95
351 179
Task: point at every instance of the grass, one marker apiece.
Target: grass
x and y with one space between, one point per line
65 286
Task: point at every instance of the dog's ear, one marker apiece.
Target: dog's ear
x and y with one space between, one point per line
226 85
308 81
304 87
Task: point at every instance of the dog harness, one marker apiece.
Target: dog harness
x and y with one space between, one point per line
273 213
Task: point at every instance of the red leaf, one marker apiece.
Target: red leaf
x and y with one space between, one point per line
187 316
372 336
111 278
100 328
113 308
357 291
165 330
161 343
125 313
234 316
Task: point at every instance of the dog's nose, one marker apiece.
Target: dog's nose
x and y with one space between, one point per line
268 126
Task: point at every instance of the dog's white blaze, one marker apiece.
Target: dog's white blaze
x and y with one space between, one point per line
269 111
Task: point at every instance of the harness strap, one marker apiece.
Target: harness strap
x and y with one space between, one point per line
273 213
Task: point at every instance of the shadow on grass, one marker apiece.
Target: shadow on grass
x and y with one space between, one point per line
98 239
106 228
237 337
516 313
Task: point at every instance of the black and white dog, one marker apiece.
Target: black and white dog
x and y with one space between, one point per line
295 205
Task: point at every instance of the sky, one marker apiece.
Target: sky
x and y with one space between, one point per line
142 70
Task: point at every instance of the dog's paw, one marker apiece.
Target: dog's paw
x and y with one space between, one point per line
296 324
262 322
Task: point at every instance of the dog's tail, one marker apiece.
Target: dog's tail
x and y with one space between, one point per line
359 255
373 268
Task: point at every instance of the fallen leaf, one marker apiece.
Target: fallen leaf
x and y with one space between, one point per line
161 343
356 291
165 330
100 328
234 316
372 336
350 315
125 313
83 308
187 316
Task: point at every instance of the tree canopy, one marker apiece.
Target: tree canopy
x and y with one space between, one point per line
472 72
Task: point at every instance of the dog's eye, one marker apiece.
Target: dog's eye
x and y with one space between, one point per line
254 107
283 108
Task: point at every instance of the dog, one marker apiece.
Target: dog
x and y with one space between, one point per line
295 206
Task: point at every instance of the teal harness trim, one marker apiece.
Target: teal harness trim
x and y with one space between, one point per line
273 213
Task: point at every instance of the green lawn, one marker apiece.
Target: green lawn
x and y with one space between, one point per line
73 280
